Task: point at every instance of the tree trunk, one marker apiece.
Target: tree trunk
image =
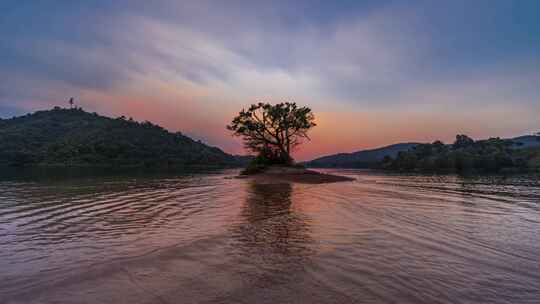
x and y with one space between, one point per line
287 141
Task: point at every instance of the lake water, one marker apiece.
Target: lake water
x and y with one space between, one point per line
210 238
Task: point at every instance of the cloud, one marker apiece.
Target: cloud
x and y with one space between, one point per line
191 65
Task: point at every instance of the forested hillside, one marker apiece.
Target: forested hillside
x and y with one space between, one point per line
493 155
73 137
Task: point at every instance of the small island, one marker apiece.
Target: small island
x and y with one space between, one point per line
272 132
279 174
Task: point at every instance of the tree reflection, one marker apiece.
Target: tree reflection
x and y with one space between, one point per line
271 230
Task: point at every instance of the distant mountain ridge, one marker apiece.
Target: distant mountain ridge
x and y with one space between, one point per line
73 137
370 158
359 159
526 141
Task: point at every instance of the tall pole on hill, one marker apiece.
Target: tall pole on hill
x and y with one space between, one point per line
71 103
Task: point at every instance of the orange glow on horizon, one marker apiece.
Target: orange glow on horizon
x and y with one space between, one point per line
336 132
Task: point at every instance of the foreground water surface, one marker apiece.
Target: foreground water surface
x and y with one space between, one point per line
210 238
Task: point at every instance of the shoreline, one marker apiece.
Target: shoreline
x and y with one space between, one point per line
278 174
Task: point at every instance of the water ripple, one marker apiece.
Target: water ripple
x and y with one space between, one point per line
212 239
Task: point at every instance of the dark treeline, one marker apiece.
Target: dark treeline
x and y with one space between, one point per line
73 137
466 155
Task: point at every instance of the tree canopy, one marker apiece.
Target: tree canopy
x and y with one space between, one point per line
273 131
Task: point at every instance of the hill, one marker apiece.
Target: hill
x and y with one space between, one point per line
359 159
73 137
526 141
374 157
494 155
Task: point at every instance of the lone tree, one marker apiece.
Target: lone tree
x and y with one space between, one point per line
273 131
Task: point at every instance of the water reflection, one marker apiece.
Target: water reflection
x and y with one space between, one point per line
210 238
271 229
73 222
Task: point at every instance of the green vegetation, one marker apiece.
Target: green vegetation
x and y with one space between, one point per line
73 137
493 155
260 163
272 132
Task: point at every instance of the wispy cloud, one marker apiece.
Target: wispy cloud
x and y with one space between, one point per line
190 66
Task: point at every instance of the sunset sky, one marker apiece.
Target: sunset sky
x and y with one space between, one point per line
374 72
